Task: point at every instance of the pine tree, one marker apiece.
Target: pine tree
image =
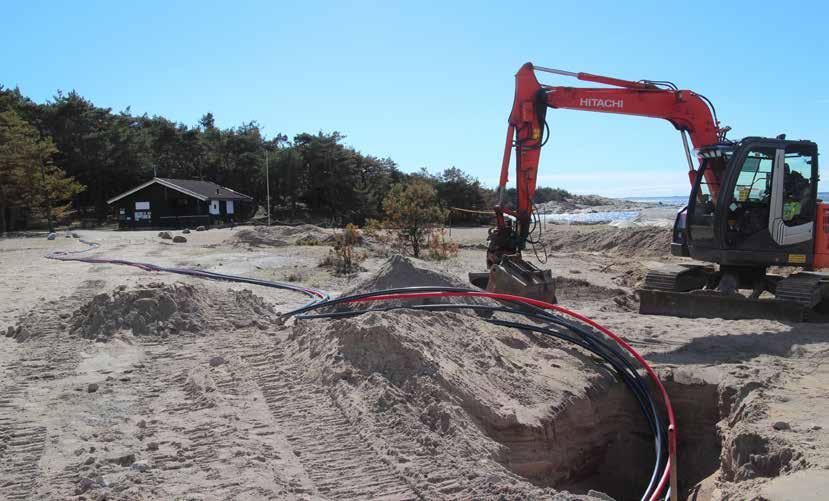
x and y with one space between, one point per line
413 211
28 178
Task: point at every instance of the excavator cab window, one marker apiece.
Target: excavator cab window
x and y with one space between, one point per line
705 204
748 211
754 182
701 207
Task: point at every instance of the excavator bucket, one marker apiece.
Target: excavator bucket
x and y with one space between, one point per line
515 276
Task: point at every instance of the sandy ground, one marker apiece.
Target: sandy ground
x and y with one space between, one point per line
100 397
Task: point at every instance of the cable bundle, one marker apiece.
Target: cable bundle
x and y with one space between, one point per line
550 320
314 294
558 322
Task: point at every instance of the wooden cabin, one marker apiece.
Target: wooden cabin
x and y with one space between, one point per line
180 203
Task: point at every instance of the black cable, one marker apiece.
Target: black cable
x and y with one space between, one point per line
624 369
587 338
315 295
590 341
629 377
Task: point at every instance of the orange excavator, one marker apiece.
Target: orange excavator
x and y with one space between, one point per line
753 205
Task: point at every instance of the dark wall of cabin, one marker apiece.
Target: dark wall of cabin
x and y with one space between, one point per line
171 208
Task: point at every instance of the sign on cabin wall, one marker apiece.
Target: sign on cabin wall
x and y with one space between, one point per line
229 207
214 207
142 205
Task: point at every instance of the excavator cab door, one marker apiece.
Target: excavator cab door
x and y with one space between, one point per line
792 218
697 233
745 204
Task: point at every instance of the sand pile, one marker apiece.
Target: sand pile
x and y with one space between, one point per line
279 236
164 309
455 400
401 271
631 242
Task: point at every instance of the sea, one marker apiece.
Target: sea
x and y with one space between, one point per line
624 215
683 199
591 217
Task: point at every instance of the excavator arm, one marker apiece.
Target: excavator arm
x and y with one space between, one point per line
687 111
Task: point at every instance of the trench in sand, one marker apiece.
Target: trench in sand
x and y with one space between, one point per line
602 443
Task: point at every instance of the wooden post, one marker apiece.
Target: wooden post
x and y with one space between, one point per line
268 186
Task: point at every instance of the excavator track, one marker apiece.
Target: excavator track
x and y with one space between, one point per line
677 277
806 288
667 291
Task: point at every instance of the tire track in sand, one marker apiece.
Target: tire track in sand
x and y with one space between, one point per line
341 464
40 356
21 446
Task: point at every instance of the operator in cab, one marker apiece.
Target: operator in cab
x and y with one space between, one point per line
797 190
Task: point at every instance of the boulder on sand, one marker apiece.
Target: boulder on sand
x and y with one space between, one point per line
165 235
179 239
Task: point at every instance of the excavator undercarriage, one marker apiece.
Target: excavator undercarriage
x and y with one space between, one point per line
703 291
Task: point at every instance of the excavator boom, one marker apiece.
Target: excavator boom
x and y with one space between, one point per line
686 110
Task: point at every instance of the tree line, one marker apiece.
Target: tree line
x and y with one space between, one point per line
69 153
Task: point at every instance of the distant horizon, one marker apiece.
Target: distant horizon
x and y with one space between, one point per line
824 193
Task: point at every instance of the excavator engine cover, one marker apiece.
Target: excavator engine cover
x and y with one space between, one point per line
515 276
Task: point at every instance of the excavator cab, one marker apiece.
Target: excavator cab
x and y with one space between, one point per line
763 213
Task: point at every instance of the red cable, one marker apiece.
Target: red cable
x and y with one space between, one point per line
541 304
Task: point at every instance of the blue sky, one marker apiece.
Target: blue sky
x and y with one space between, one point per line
430 84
